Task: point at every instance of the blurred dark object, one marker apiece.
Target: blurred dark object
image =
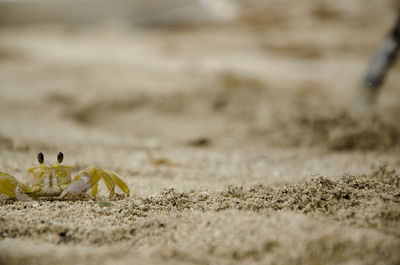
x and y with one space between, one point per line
200 142
381 63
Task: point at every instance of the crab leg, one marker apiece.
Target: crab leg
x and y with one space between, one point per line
110 179
8 184
120 184
94 190
11 187
89 178
116 180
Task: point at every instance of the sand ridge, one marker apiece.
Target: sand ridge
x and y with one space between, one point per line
365 203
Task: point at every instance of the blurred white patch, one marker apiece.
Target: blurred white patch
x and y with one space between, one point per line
221 9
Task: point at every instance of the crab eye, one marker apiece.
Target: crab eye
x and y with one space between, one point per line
40 158
60 157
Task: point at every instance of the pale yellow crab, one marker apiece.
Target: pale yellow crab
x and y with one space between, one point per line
51 181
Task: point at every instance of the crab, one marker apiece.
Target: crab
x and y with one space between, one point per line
53 181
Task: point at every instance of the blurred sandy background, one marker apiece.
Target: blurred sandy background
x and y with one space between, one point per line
234 123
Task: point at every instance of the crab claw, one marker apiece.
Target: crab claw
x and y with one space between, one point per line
78 186
21 196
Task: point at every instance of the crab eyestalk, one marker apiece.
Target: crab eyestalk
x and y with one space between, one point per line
60 157
40 158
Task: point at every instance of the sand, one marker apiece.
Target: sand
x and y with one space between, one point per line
241 142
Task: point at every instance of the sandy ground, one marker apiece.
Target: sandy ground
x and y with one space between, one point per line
241 142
